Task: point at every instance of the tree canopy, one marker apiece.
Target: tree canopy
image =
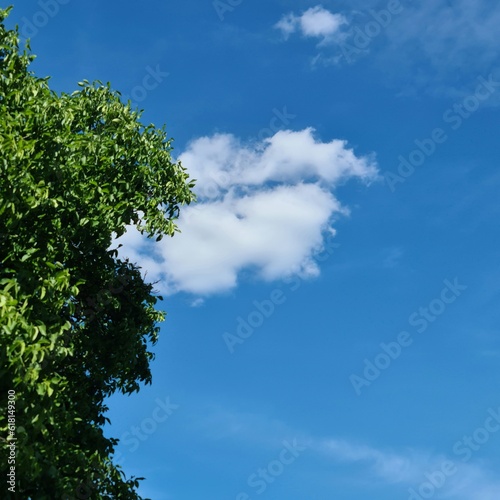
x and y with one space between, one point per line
76 322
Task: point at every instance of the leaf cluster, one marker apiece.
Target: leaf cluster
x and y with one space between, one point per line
76 322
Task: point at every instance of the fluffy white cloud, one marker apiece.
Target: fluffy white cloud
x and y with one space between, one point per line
221 161
315 22
262 207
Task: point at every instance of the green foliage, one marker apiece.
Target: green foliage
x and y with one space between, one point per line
76 322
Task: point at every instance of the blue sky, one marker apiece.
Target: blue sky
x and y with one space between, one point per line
332 300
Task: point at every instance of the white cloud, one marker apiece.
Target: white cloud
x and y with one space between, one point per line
262 207
389 466
404 469
288 24
392 257
442 44
221 161
449 33
436 45
412 469
315 22
198 302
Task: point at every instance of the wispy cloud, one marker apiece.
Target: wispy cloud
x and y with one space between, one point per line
389 466
441 46
449 34
263 207
436 45
392 257
417 471
409 469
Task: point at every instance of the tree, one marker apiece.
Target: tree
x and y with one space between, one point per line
76 322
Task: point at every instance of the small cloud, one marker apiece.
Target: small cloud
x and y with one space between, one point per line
316 22
197 302
392 257
288 24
